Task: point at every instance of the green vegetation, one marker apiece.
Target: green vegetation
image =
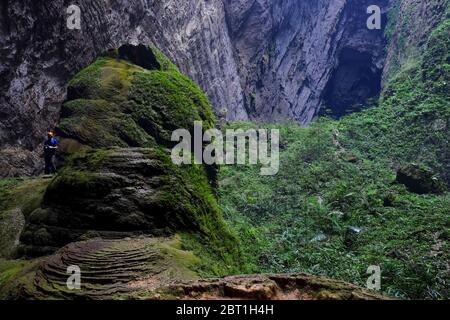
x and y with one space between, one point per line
25 193
18 198
10 270
335 208
216 245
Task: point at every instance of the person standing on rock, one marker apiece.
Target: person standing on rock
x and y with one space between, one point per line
50 147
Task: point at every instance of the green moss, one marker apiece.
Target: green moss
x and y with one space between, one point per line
176 199
217 245
79 173
401 32
18 199
98 118
10 271
87 81
213 242
182 262
23 193
114 103
107 185
166 64
437 59
105 79
163 101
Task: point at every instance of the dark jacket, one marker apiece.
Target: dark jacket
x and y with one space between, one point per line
49 146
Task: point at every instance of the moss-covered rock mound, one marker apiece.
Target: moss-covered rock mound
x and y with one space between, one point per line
121 192
118 208
420 180
117 179
114 102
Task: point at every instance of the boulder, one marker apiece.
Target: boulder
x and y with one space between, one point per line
420 180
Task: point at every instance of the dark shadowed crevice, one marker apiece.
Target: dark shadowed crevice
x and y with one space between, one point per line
353 83
139 55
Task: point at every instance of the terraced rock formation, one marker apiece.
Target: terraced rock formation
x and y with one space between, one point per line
110 268
157 268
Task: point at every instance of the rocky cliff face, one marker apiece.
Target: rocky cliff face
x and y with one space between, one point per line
255 59
295 56
39 55
410 25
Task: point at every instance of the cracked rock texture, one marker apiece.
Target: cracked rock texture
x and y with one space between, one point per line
255 59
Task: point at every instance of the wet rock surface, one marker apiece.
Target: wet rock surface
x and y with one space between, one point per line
290 53
119 208
40 55
272 287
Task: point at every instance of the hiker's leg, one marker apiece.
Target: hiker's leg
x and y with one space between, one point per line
52 165
47 165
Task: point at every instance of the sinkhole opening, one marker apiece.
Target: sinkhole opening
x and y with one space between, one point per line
354 84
